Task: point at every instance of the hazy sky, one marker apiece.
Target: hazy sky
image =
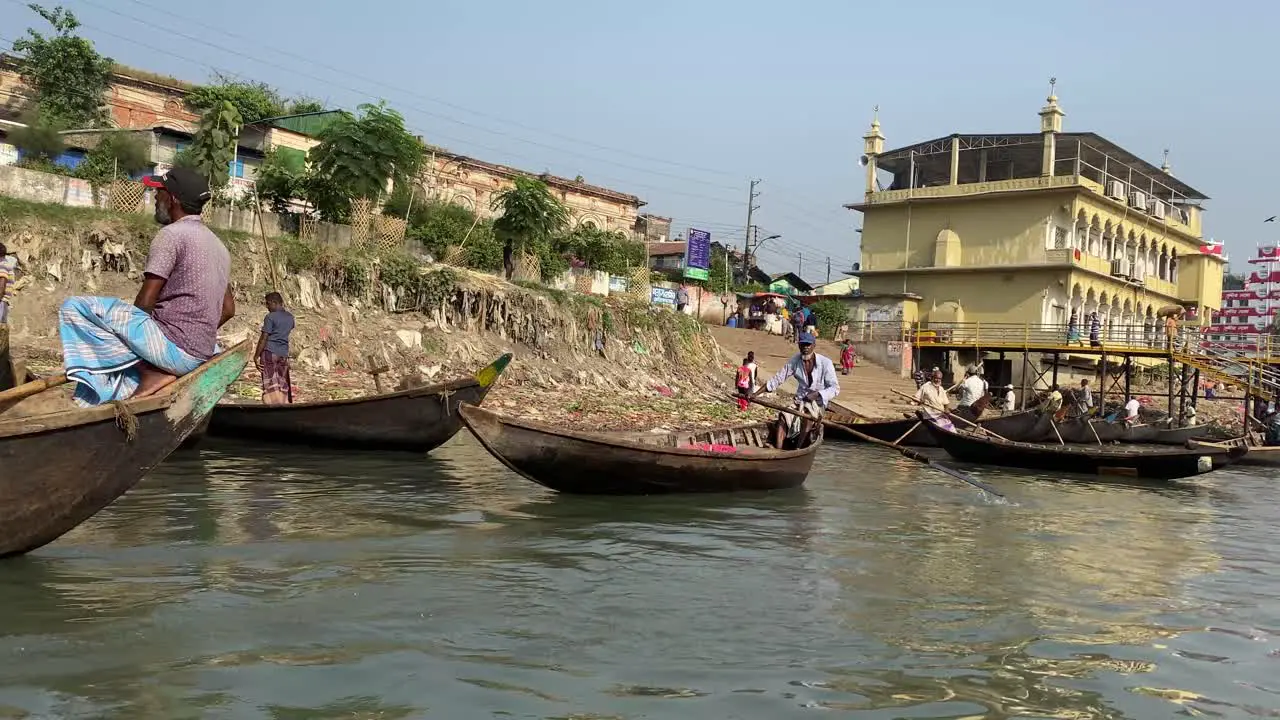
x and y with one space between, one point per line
681 103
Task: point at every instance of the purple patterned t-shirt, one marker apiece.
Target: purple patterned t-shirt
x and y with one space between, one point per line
196 268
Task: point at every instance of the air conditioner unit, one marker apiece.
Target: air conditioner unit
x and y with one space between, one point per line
1117 268
1138 200
1157 208
1115 189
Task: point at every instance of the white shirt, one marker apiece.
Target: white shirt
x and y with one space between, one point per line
933 398
1009 400
752 367
971 389
1131 409
824 378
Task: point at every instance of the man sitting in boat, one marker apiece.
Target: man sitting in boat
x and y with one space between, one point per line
933 396
816 386
113 350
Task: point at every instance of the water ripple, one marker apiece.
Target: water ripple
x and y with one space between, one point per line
238 582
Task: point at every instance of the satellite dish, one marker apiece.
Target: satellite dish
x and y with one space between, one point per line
863 160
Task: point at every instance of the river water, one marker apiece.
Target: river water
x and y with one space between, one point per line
255 582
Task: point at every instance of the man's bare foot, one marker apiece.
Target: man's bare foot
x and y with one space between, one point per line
153 381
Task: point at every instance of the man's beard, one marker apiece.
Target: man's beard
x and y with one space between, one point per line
162 213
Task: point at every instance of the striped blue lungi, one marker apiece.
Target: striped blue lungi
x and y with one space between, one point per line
104 339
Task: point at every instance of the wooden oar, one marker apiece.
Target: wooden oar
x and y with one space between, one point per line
34 387
954 416
1054 425
906 452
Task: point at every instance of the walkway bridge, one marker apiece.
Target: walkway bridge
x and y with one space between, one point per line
1254 366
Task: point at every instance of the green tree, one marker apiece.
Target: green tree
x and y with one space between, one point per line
609 251
279 180
829 315
531 217
438 225
304 105
68 75
214 145
253 100
358 155
117 155
41 140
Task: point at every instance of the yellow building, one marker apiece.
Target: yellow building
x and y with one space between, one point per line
1027 228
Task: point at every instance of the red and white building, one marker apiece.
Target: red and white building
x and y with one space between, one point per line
1246 315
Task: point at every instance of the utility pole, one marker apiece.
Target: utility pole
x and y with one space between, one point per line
828 269
800 269
746 240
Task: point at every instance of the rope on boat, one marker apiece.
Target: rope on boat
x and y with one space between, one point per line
126 420
444 397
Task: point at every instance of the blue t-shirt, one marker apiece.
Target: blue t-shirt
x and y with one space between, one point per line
277 326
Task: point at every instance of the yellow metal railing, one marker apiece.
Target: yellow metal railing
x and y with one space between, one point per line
1145 338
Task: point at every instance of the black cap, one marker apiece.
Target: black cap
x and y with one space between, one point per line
186 185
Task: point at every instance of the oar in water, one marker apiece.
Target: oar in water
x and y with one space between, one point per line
35 387
906 452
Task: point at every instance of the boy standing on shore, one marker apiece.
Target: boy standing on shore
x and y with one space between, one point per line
8 276
272 354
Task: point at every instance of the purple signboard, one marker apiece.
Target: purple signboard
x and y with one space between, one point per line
697 255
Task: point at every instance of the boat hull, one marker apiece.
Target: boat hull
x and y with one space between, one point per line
59 469
1079 433
1024 425
1153 464
415 420
599 464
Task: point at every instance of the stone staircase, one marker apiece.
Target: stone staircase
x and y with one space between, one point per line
867 389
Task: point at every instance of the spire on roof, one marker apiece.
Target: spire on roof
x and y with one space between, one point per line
1051 115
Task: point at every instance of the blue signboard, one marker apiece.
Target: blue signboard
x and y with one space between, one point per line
697 255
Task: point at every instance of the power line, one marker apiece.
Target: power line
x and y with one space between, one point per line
312 61
430 113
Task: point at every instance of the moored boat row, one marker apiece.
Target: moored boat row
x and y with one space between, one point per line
46 490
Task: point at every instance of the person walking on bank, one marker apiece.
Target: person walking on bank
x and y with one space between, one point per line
271 357
816 387
682 298
848 358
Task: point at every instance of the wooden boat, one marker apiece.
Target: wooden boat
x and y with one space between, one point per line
1148 463
415 420
1259 454
641 463
1076 431
59 467
1024 425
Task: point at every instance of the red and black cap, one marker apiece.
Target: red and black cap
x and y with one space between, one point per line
187 186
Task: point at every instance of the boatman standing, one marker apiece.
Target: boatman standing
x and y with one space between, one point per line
816 387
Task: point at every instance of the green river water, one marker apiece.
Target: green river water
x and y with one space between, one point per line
256 582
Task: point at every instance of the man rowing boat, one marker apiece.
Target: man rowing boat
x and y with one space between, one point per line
113 350
816 387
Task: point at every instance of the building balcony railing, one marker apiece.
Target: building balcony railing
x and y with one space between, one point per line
1172 218
1103 266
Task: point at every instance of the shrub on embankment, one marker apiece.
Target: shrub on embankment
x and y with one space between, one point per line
78 249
